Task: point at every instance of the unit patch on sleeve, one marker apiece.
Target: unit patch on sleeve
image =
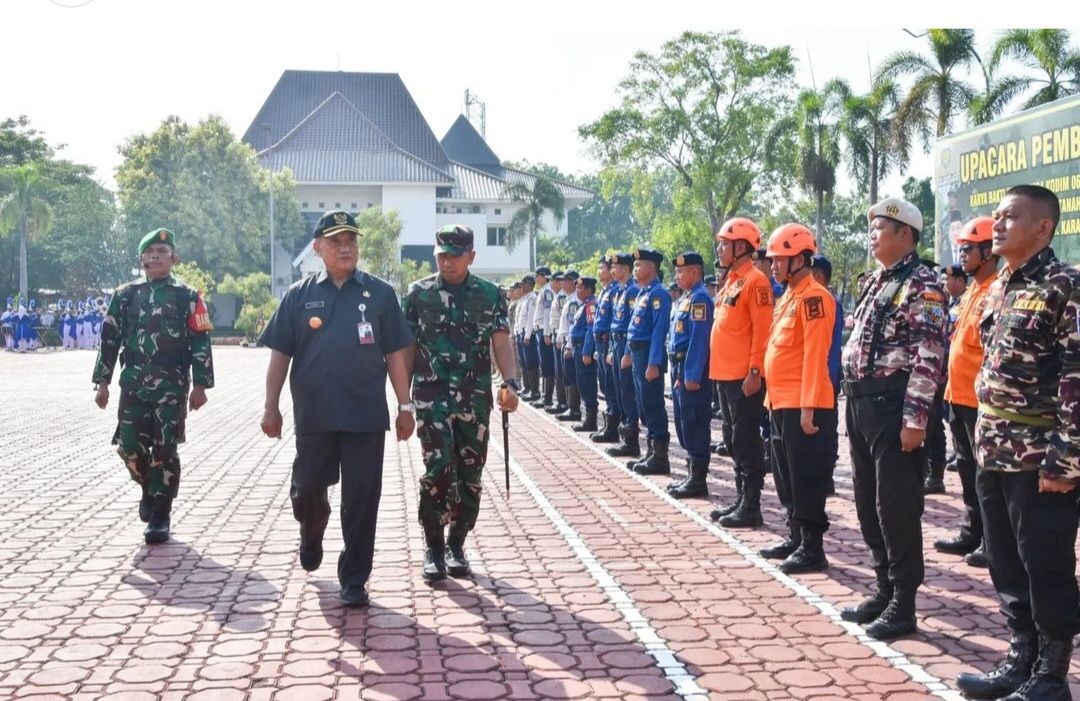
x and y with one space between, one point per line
699 311
815 309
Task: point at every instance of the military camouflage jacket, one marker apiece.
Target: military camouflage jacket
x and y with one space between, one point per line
150 326
453 329
900 327
1029 384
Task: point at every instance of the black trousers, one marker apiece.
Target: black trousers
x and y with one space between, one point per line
358 459
935 433
802 466
962 425
888 486
744 415
1031 547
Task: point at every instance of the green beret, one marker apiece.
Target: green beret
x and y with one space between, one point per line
157 236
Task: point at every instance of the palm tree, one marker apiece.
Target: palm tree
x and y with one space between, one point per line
866 125
937 95
816 124
543 196
24 208
1041 50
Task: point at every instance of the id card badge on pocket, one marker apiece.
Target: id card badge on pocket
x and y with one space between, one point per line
367 335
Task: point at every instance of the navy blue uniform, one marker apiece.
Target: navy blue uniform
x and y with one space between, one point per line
605 307
620 322
646 338
581 337
688 352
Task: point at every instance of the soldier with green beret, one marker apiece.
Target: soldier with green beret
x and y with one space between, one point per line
460 322
159 329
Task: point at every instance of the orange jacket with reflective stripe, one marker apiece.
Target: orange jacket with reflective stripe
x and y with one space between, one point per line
741 324
966 351
797 356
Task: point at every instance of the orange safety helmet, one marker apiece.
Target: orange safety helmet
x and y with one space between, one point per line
978 230
740 229
790 240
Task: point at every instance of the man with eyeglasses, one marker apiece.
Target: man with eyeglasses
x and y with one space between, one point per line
343 333
461 324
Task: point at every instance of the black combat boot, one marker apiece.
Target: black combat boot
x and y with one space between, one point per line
573 409
1008 676
610 432
696 485
717 514
157 528
456 563
657 463
631 464
748 515
897 619
874 605
589 424
720 449
145 503
560 397
629 445
1048 681
809 557
435 555
679 482
935 480
783 549
977 557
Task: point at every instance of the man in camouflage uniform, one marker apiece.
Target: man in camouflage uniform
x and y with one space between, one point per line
459 321
159 328
1027 445
893 364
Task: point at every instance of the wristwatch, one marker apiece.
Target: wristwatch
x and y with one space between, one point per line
514 383
409 407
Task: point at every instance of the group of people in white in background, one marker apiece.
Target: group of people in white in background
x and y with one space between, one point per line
78 324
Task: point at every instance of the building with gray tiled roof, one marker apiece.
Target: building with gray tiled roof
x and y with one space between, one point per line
358 140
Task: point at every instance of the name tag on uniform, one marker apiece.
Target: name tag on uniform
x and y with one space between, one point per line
367 334
314 305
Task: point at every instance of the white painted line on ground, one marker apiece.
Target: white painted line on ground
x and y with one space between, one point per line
675 671
886 652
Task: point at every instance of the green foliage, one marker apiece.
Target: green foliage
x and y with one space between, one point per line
706 106
20 143
209 188
25 210
554 252
866 125
1043 51
921 194
196 277
257 304
380 249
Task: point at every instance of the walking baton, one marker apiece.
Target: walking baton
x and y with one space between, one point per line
506 442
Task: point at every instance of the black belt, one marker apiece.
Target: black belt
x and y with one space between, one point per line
578 342
601 337
897 382
619 336
638 345
676 356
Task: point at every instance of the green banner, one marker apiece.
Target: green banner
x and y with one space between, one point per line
973 169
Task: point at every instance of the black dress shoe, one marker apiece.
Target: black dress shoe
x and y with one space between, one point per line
956 546
354 596
977 557
311 557
456 563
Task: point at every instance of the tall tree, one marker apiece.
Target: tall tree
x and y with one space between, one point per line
380 249
705 106
25 209
209 188
542 197
20 143
866 125
1047 53
938 93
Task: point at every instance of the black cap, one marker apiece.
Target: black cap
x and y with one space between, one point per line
334 222
621 259
954 270
572 275
820 262
454 239
689 258
589 282
605 260
543 270
710 279
649 254
760 254
672 286
528 280
557 275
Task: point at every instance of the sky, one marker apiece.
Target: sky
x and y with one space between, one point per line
92 73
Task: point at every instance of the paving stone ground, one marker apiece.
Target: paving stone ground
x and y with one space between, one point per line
589 582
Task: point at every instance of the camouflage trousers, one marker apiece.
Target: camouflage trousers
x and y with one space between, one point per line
146 438
455 441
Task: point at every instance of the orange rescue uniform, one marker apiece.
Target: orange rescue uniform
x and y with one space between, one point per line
741 324
797 356
966 351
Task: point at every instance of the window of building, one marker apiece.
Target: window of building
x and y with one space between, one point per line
337 205
322 206
476 209
496 236
303 206
458 210
442 191
420 254
370 205
353 206
311 219
498 211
